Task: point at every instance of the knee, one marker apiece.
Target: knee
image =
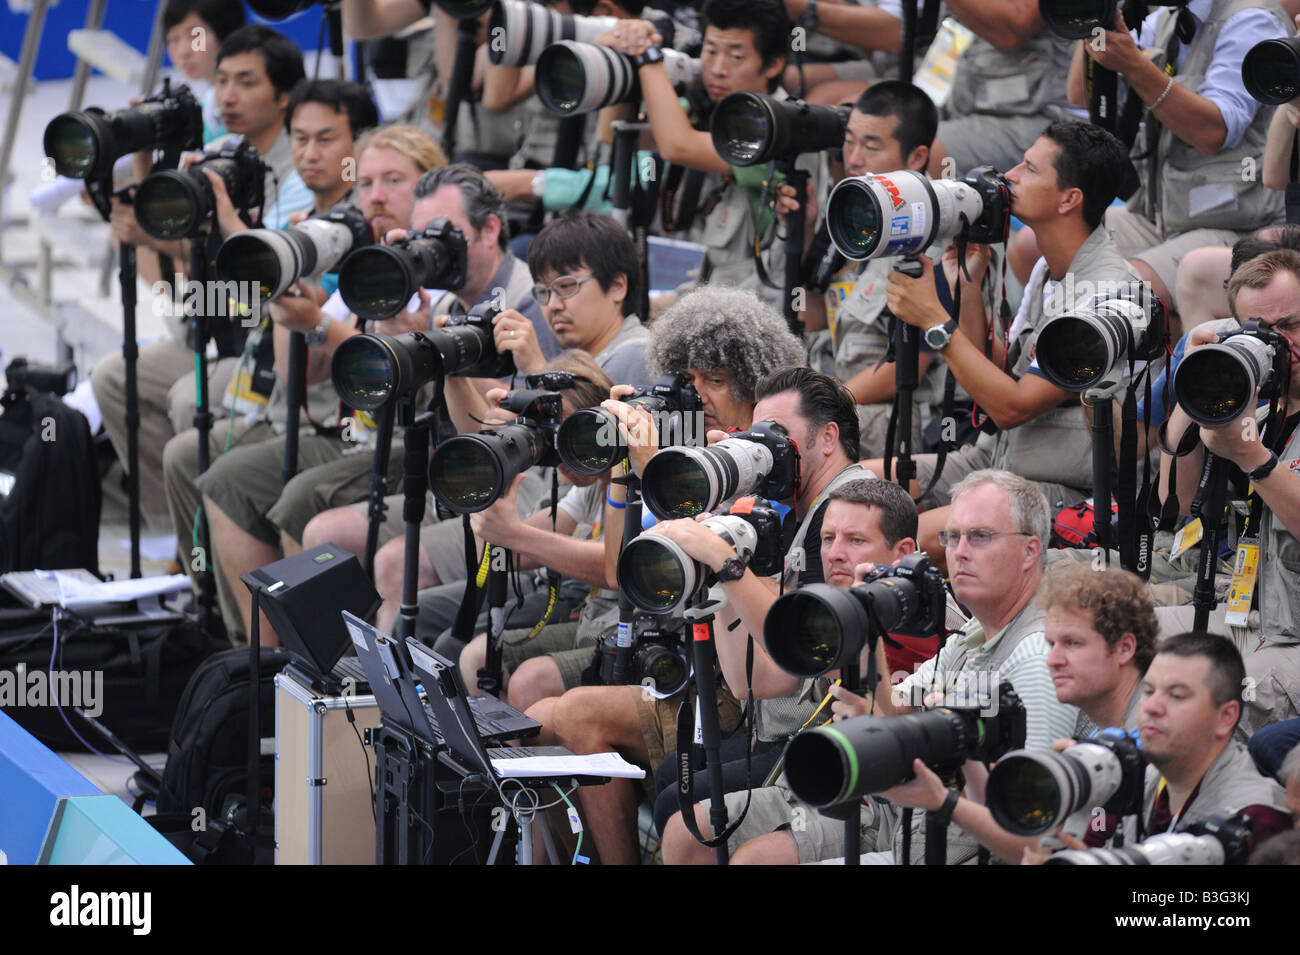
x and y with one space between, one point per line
535 680
471 658
390 568
108 376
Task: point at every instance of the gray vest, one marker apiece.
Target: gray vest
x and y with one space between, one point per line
1279 567
1056 447
1028 82
780 718
1230 784
1214 186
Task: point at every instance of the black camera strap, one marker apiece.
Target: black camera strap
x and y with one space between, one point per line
1293 187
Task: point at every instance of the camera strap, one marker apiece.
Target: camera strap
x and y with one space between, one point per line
552 578
1292 187
688 756
463 627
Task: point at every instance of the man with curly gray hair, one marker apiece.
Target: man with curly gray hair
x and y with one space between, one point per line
725 339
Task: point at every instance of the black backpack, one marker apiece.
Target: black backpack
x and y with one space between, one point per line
207 756
49 485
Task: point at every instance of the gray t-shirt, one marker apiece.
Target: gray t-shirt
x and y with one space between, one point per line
623 359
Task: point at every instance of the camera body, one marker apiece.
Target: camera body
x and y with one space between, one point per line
1217 383
819 628
179 204
683 482
660 578
21 374
377 281
659 658
589 441
86 144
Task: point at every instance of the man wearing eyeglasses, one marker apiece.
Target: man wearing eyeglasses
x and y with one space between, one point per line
994 536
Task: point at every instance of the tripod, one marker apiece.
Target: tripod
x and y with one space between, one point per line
700 617
1209 505
633 215
906 349
797 179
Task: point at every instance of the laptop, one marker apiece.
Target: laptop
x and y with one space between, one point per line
540 764
404 696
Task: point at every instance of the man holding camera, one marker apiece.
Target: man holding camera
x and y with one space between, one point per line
818 414
891 127
867 521
994 536
246 504
1063 186
1203 130
257 69
745 50
1264 290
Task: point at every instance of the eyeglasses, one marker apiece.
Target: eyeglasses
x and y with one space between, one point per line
555 380
566 286
977 537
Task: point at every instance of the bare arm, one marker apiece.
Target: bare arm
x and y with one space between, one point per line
369 19
1007 24
1280 144
504 86
867 28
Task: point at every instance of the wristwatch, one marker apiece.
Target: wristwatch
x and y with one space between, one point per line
733 568
318 334
1264 470
651 54
938 336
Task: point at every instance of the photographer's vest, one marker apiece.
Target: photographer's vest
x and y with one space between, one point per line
780 718
1027 82
860 330
1055 447
1279 568
1230 785
1217 187
963 847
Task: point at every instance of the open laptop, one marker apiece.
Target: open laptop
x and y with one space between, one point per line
401 689
545 764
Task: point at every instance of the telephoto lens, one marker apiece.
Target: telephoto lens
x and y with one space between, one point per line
659 577
377 281
86 144
590 443
819 628
904 213
1092 347
574 78
683 482
370 371
1030 792
1271 71
275 259
749 129
471 471
868 754
1219 840
1217 383
520 30
180 204
1080 19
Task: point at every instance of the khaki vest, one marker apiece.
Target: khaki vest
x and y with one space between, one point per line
1279 570
1028 82
1230 784
1208 192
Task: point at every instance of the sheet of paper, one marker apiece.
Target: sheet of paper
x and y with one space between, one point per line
595 764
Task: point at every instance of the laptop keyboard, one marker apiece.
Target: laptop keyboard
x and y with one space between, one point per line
518 752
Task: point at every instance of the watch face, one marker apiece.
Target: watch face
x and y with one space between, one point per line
938 336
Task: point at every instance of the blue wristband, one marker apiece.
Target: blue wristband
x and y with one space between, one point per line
614 504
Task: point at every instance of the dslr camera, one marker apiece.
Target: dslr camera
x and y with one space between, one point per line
180 204
377 281
1217 383
589 441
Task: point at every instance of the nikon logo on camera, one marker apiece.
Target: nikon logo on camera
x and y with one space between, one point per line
213 299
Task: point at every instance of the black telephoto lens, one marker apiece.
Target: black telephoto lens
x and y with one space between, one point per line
1271 71
470 471
369 371
749 129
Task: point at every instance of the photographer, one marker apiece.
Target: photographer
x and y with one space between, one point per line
745 49
588 266
1266 289
187 26
892 126
818 414
324 120
245 484
1202 128
867 521
1063 186
256 70
994 537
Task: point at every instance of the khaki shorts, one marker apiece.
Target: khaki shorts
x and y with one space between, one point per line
659 721
817 837
1137 238
559 641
